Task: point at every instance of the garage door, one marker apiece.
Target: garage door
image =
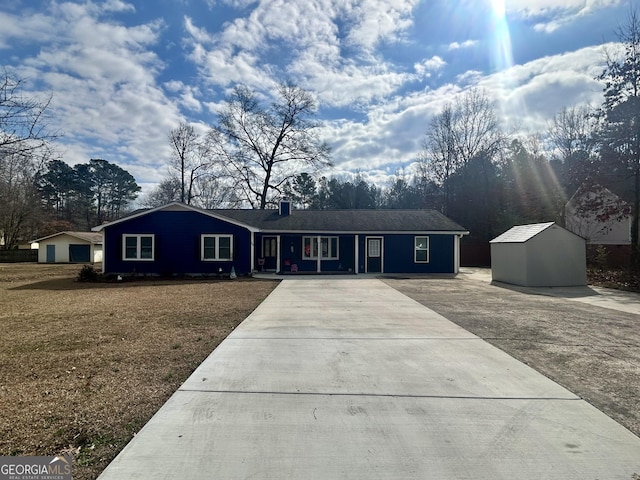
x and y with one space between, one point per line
79 253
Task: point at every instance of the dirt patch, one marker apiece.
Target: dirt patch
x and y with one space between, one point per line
83 366
628 280
594 352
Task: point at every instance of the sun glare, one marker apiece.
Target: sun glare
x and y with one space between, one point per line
502 55
499 8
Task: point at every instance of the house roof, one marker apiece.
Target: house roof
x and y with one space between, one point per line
90 237
522 233
594 189
173 206
344 221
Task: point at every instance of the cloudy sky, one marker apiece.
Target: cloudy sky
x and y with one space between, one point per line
124 73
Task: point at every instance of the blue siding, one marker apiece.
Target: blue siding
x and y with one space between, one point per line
177 248
177 244
398 251
399 254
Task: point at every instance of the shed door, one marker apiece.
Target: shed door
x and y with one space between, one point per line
79 253
51 253
374 254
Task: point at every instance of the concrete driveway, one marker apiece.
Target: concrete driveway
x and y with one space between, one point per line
343 377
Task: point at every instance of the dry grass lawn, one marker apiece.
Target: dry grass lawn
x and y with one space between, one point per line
592 351
83 366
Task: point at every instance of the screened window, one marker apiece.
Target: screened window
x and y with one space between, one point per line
217 247
328 248
138 247
421 249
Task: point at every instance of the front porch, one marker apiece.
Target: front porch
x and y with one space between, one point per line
299 254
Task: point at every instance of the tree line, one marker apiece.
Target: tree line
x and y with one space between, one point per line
469 167
258 151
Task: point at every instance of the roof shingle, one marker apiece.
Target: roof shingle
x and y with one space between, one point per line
345 220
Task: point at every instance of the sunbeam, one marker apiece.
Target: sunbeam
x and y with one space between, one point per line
502 54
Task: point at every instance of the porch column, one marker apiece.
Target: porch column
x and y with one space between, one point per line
456 253
357 254
319 261
252 267
278 255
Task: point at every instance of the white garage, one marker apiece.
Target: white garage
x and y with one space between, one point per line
539 255
70 247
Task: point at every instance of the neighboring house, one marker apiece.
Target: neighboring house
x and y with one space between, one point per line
599 216
182 239
70 247
539 255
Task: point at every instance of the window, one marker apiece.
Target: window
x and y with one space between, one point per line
269 247
421 249
374 247
328 248
138 247
217 247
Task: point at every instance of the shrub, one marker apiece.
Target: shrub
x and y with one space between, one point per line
87 274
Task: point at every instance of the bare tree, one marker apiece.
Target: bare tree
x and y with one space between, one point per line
22 127
184 144
260 148
464 130
167 191
571 131
19 205
24 147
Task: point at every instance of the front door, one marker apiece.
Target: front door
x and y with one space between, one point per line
270 253
51 253
374 254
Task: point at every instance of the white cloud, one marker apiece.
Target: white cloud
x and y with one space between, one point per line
103 75
532 93
466 44
314 33
526 96
429 65
555 14
114 99
379 20
533 8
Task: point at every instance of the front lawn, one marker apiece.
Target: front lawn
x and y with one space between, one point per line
83 366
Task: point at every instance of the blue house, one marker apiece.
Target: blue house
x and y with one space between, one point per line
179 239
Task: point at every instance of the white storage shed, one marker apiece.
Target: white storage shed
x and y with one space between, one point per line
539 255
70 247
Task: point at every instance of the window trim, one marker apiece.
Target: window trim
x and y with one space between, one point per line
416 250
313 242
217 236
138 237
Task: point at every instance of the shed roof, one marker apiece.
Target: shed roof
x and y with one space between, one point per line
522 233
90 237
